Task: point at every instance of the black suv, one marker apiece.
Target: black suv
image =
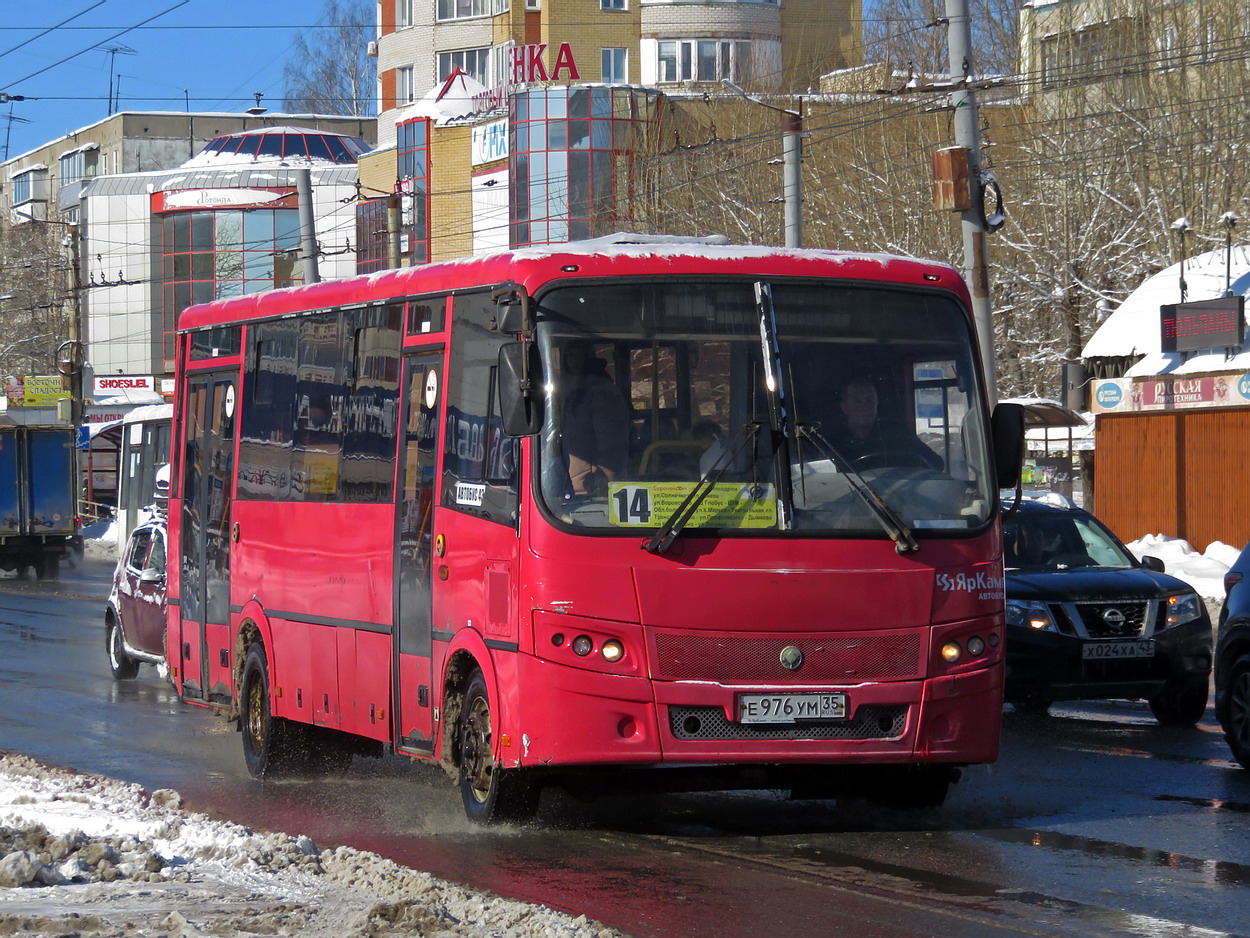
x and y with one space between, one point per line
1232 660
1087 621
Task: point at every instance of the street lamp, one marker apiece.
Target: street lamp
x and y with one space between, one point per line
792 180
1180 226
1230 220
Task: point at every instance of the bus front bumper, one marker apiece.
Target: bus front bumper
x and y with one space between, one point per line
580 717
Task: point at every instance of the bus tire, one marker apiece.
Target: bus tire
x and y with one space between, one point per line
490 794
271 745
121 664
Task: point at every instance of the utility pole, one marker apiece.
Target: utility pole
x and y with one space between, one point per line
792 155
307 229
71 355
968 135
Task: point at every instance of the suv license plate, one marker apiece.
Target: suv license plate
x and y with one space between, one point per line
789 708
1099 651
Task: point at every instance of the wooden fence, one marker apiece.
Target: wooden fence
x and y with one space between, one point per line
1180 473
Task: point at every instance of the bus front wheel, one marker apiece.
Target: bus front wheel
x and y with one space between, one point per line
490 794
270 747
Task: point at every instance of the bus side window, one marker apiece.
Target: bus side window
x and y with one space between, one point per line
267 420
368 463
480 464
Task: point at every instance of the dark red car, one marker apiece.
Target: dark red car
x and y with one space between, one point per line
134 622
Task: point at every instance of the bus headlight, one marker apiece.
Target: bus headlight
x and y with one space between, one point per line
951 652
1182 608
612 651
583 645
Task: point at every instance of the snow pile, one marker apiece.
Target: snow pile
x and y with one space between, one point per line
90 856
1203 571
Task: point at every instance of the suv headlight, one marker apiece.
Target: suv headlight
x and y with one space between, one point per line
1030 614
1182 608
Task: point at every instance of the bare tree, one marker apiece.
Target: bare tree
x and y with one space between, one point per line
328 71
912 33
33 298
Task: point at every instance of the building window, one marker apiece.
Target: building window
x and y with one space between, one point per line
1210 42
473 62
467 9
403 14
1169 46
615 66
80 164
206 255
1048 53
614 4
412 150
22 188
371 247
571 160
405 92
704 60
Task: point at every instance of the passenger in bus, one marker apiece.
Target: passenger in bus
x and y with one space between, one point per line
869 442
594 421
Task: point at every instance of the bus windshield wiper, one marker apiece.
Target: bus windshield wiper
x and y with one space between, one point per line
891 523
660 542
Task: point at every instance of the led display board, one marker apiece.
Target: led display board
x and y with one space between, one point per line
1203 324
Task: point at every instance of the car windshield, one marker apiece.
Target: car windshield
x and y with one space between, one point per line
674 393
1060 541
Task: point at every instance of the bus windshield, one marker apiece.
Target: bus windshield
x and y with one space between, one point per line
784 407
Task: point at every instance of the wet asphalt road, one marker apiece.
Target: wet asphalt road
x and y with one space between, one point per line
1095 821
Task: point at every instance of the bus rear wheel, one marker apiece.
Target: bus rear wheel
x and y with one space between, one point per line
271 746
490 794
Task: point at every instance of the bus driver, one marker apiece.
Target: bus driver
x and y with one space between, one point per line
594 421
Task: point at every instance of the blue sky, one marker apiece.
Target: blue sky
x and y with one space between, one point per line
214 52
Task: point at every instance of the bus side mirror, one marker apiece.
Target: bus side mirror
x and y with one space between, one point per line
511 318
520 403
1007 430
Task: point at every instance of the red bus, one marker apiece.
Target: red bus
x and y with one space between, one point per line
594 514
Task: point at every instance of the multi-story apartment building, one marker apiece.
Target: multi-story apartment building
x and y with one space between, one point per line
759 44
1117 53
513 122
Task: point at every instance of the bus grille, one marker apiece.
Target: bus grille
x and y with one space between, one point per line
710 723
889 656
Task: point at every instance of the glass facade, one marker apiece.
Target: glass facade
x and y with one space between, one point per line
412 148
213 253
370 235
572 153
336 148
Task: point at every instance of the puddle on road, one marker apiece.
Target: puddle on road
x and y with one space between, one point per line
1216 804
1222 871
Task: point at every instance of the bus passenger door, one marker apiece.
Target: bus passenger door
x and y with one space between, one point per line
420 444
204 554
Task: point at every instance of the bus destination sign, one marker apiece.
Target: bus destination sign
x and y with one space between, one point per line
1203 324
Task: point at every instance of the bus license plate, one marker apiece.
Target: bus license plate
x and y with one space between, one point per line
789 708
1100 651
